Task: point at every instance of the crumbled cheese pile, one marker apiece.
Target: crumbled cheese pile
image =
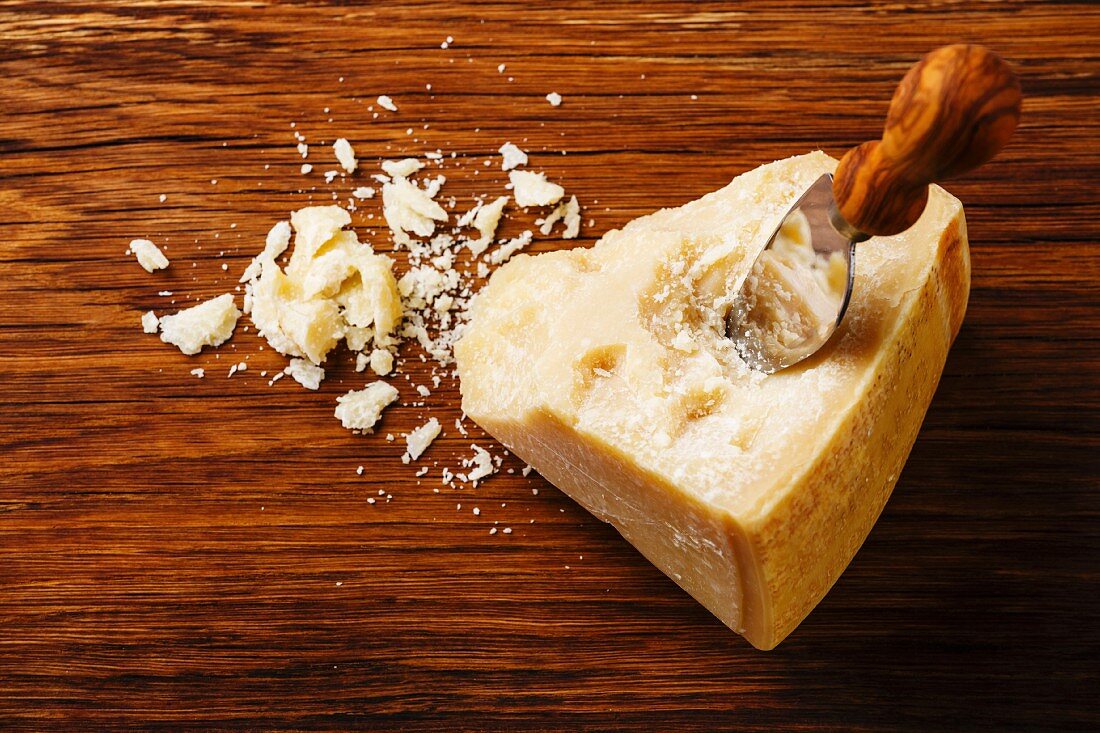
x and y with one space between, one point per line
332 288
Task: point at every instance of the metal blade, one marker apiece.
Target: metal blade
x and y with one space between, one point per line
797 291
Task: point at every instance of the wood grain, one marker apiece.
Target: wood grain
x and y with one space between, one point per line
184 554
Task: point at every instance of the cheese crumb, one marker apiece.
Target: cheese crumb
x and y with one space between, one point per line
409 209
345 154
149 322
532 189
502 253
361 410
568 211
207 324
418 440
381 362
278 239
513 157
199 372
386 103
148 255
363 192
485 218
306 169
554 99
304 373
482 463
401 168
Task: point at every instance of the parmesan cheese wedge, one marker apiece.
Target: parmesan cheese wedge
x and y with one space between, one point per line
606 369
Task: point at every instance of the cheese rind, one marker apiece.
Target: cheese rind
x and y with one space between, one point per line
607 371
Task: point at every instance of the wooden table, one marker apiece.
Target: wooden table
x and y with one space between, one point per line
178 553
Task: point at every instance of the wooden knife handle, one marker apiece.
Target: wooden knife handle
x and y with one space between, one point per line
953 111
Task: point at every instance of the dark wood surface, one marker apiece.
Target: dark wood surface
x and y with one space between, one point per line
180 554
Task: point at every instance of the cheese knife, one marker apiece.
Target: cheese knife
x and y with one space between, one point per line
953 111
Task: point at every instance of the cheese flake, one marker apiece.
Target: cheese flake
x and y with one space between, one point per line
278 239
148 255
149 322
208 324
304 373
345 154
567 211
381 362
485 218
418 440
360 410
407 208
401 168
512 156
532 189
502 253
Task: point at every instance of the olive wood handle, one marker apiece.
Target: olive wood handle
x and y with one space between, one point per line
953 111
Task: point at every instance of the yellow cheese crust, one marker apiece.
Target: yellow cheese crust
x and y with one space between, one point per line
605 369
